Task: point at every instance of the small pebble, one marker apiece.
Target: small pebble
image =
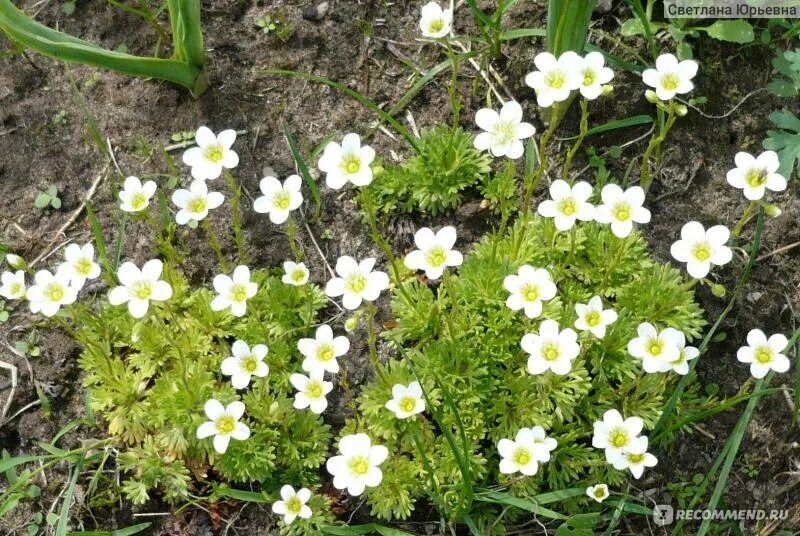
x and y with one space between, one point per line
317 12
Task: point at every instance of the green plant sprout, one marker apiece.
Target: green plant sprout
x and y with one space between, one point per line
48 199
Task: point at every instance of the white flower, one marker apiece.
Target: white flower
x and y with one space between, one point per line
434 21
594 74
524 453
292 505
223 424
13 285
357 466
311 391
234 291
406 400
685 354
568 203
195 202
50 292
140 286
279 199
15 261
755 175
621 209
699 248
657 350
211 154
615 434
529 288
633 457
295 274
504 131
592 317
598 492
321 352
357 282
556 78
80 264
244 363
435 252
670 77
135 195
349 161
551 349
764 354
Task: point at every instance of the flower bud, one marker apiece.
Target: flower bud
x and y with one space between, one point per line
651 96
773 211
718 290
606 90
681 110
351 324
16 262
377 171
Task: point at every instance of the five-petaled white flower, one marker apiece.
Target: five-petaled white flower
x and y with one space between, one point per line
349 161
504 131
211 154
764 354
529 287
700 248
292 505
140 286
295 273
555 78
551 349
244 363
594 74
434 21
356 282
195 202
598 492
50 291
615 434
321 352
406 400
621 209
223 424
435 251
633 457
670 77
685 354
357 465
135 195
592 317
234 291
656 349
311 390
13 287
567 204
756 175
279 199
523 454
79 264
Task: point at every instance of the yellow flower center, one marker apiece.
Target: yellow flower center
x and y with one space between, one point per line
83 266
408 404
550 351
436 256
197 205
314 390
592 318
589 76
701 251
763 355
599 493
618 437
756 177
142 290
436 26
357 283
16 288
505 132
138 201
282 200
555 79
567 206
351 163
226 424
294 505
298 275
670 81
325 352
522 456
622 212
655 347
359 465
249 364
214 153
530 292
54 292
635 458
238 293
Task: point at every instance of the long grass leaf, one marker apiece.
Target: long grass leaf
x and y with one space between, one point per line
303 168
528 505
63 518
621 123
127 531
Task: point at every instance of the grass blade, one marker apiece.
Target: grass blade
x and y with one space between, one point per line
621 123
528 505
63 518
302 167
521 33
99 241
127 531
370 528
568 25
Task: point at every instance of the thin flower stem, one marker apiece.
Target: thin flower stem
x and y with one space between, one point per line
455 102
645 177
344 383
65 326
748 214
236 196
213 241
542 160
584 129
372 338
291 232
626 242
452 296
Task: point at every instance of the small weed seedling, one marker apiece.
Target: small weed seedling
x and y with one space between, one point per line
48 199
